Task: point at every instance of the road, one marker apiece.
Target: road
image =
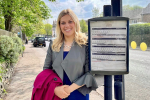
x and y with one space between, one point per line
137 81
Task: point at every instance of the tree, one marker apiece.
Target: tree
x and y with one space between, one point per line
84 27
101 14
56 0
129 8
136 7
48 29
40 28
23 13
42 31
2 23
95 12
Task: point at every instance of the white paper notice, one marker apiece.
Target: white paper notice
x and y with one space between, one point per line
108 45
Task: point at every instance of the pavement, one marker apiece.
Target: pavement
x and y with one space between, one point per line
25 72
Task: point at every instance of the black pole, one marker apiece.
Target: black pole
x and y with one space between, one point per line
108 87
107 10
21 38
119 89
107 78
116 7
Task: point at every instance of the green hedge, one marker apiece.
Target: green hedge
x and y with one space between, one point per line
140 33
10 48
138 29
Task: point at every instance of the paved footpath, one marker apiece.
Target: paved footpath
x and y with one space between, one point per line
26 70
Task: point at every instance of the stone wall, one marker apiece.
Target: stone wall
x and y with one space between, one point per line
6 70
5 76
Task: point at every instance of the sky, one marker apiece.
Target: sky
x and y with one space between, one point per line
83 10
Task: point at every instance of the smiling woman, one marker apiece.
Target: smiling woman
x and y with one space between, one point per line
67 26
68 57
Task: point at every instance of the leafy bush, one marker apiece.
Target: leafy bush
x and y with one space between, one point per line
18 43
2 72
6 44
137 29
140 33
16 50
10 48
23 47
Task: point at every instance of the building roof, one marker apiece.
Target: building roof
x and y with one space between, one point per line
146 10
135 14
132 14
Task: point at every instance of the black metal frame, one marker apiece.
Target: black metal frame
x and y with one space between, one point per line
110 18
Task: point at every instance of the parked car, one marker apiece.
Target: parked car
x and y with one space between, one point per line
32 40
46 39
52 39
39 41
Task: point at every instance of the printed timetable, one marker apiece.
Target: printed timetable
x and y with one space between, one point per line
108 46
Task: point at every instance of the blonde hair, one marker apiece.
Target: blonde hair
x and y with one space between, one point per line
80 38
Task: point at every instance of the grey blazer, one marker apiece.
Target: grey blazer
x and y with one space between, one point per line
75 65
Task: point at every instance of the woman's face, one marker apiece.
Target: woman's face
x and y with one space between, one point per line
67 26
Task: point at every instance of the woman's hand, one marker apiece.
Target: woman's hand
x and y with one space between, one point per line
68 90
71 88
59 91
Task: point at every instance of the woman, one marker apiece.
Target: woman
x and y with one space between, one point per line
68 57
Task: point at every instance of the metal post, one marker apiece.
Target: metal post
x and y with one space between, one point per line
108 87
21 38
107 10
116 7
107 78
119 89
